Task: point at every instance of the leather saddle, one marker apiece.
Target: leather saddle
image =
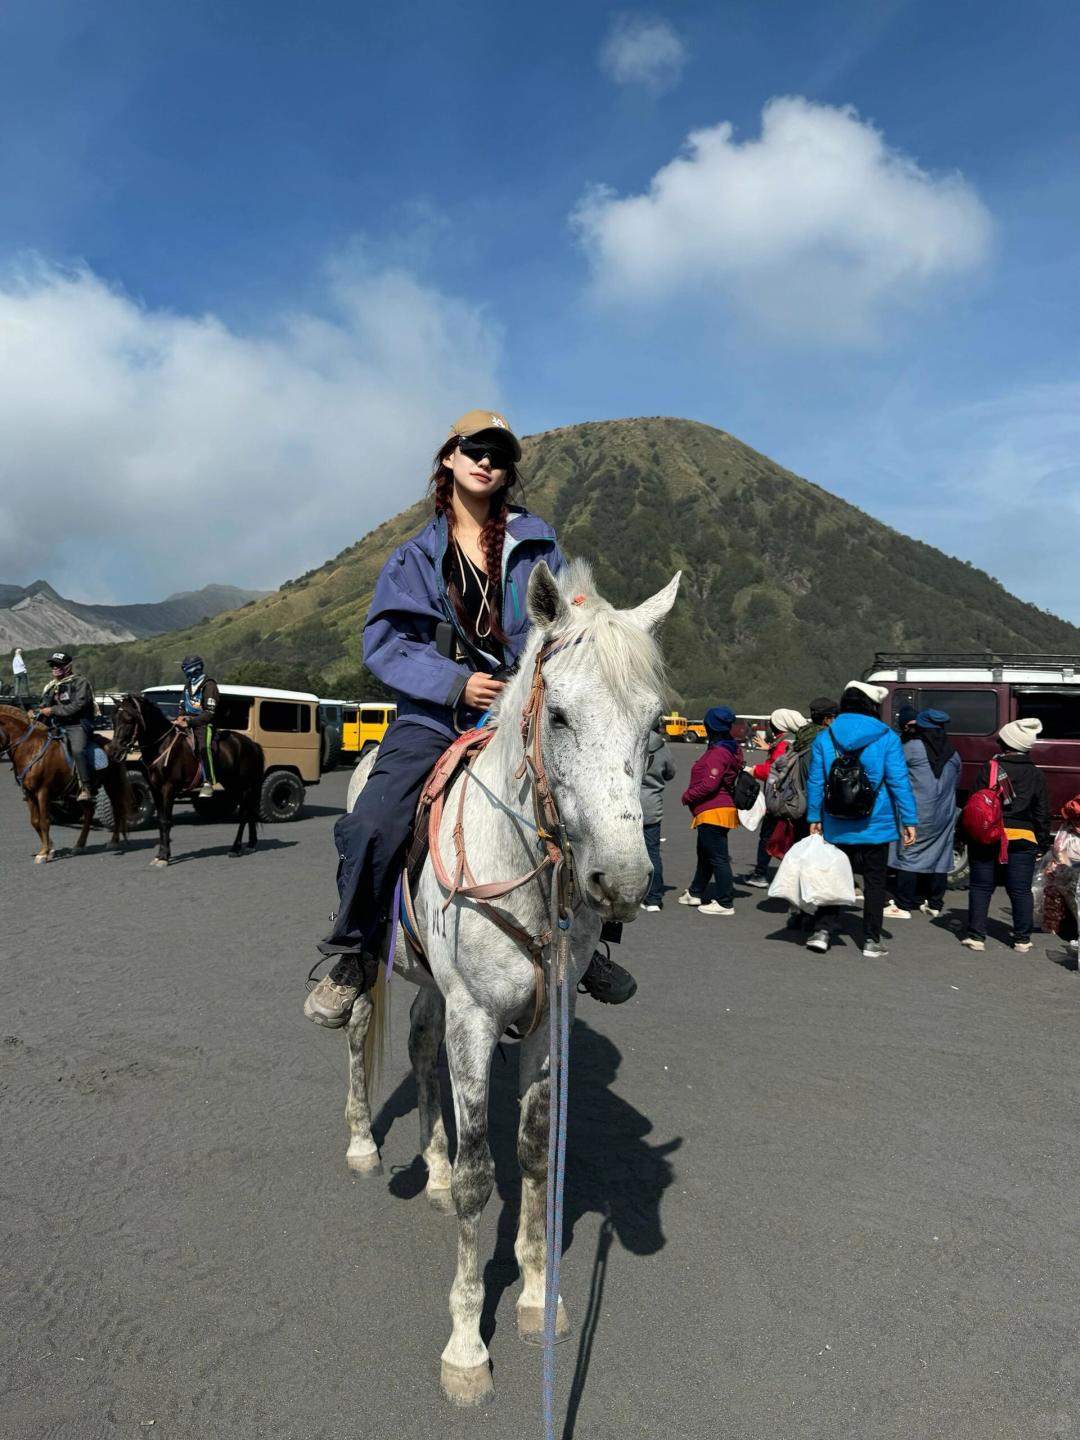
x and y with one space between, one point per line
444 774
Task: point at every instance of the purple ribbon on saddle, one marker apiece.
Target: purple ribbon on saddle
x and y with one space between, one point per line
396 912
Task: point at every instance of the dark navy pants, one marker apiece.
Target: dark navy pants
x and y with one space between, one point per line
713 863
656 884
371 840
986 872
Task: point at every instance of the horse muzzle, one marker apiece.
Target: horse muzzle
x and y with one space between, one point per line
616 894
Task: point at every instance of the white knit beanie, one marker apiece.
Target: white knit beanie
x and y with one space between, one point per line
1020 734
783 721
876 693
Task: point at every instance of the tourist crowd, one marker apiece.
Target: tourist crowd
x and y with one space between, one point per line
886 799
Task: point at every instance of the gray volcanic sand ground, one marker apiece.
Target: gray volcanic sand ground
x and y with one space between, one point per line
807 1196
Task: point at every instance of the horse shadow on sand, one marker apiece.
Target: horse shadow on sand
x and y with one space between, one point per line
611 1170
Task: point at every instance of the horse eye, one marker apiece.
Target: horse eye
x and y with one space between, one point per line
558 717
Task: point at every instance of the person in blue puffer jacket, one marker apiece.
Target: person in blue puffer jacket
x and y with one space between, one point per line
859 727
446 627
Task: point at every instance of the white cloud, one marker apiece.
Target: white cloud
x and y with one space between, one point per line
643 51
815 228
147 443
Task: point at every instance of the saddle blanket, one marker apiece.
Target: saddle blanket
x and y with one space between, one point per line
99 757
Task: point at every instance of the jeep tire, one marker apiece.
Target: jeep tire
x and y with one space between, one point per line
282 797
143 809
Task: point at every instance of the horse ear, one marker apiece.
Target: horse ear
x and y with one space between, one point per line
545 602
650 612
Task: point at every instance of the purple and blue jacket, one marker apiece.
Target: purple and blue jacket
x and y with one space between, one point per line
410 600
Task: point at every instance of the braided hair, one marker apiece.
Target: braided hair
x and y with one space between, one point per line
492 539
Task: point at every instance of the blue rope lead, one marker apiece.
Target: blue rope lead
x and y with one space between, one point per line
558 1097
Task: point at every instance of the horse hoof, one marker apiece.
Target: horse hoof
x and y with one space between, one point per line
368 1162
530 1324
42 859
468 1386
440 1199
235 854
157 864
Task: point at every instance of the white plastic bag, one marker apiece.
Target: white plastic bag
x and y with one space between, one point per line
752 818
785 883
825 876
1067 847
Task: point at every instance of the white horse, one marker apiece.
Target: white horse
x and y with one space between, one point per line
602 683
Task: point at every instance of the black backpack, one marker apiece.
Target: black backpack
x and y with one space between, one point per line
744 791
848 792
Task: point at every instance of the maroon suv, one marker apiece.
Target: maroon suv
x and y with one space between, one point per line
984 692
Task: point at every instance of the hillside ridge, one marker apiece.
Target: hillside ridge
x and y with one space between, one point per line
788 590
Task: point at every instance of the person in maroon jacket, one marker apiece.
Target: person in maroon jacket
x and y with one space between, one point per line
710 801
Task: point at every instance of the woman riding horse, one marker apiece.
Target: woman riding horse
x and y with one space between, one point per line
447 624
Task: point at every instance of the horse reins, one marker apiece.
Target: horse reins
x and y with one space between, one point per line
550 831
10 746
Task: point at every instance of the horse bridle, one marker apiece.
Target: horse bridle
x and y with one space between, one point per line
121 752
11 745
550 831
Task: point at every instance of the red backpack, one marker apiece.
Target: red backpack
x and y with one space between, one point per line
983 816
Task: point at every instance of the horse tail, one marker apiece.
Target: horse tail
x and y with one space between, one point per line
375 1036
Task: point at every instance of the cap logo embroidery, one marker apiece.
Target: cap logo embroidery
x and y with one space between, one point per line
498 424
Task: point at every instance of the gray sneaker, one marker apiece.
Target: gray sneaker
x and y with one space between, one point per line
330 1003
820 941
874 950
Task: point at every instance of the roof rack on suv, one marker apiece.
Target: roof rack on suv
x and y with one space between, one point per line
994 660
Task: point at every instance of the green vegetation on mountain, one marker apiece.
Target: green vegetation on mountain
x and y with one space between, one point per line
787 591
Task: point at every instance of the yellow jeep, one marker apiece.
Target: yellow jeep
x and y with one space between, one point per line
363 726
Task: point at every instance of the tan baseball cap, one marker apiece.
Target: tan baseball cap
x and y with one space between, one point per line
476 422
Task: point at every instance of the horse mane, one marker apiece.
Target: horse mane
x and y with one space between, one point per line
13 712
593 634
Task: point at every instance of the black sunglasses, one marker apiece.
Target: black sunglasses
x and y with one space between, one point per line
501 458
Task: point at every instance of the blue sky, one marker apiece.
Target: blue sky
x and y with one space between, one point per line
255 258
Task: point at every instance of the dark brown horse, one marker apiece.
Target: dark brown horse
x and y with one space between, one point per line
42 769
172 767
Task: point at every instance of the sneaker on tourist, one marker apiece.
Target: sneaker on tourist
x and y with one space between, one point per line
820 941
972 942
932 910
653 909
687 899
895 912
715 908
874 949
1022 945
756 881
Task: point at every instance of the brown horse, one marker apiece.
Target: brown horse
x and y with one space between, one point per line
42 769
172 767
